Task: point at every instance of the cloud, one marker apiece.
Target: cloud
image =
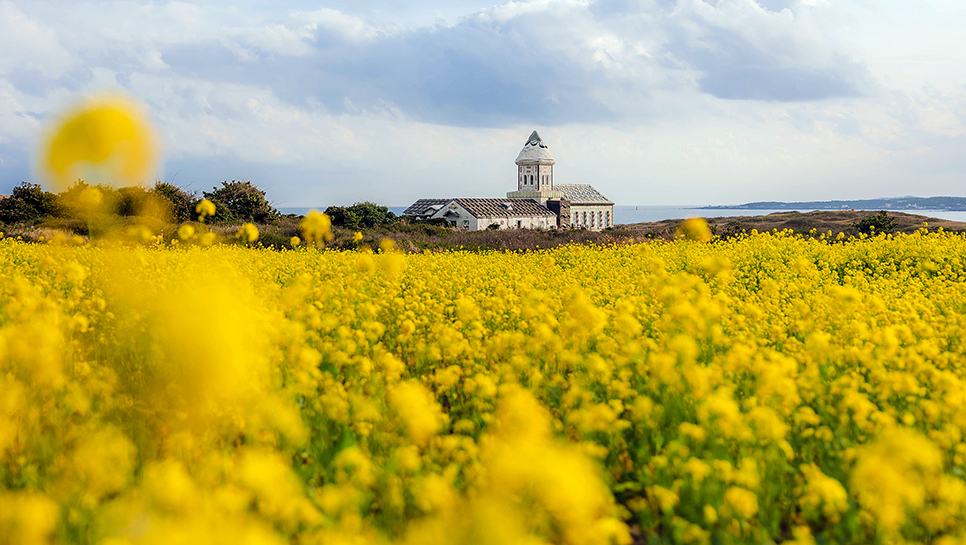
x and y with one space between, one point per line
28 42
744 51
477 73
545 62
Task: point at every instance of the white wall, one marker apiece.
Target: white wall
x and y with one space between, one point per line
525 223
468 222
600 211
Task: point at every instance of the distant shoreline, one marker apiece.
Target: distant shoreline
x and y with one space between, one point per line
951 204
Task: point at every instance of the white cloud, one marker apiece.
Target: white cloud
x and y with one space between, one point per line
26 41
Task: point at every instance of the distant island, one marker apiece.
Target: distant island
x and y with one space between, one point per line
895 203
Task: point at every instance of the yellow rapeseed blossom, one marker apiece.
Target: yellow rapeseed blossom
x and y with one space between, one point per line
742 502
822 494
892 475
420 413
767 388
27 518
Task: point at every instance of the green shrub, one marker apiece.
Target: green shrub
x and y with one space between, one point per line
361 215
879 222
29 203
178 203
240 201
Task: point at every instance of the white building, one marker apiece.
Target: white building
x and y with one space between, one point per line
588 208
477 214
536 204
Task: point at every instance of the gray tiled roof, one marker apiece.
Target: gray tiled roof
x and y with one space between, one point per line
496 208
422 207
581 194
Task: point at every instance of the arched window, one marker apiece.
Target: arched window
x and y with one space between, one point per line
576 218
585 218
608 219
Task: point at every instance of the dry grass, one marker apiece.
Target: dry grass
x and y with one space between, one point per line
421 237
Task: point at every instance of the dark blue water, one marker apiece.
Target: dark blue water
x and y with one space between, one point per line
641 214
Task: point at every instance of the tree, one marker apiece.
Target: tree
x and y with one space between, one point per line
133 201
240 201
178 201
361 214
879 222
29 203
76 204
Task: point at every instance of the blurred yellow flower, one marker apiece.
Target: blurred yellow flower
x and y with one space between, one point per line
316 227
26 517
743 502
695 229
185 232
90 197
418 409
106 139
248 233
204 209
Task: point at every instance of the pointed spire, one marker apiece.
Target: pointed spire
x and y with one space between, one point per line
535 140
535 152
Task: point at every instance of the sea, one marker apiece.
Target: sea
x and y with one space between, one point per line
624 214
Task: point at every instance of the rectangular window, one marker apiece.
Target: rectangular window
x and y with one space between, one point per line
576 218
466 224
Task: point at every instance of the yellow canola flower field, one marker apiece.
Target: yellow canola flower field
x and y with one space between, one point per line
767 389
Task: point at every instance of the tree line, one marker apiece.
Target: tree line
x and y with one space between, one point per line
235 201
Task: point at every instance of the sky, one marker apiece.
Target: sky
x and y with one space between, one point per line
654 102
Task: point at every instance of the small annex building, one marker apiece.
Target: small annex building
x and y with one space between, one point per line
477 214
536 204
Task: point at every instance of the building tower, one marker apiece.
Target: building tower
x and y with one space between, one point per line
534 172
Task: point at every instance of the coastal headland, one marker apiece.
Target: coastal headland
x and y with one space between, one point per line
822 221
